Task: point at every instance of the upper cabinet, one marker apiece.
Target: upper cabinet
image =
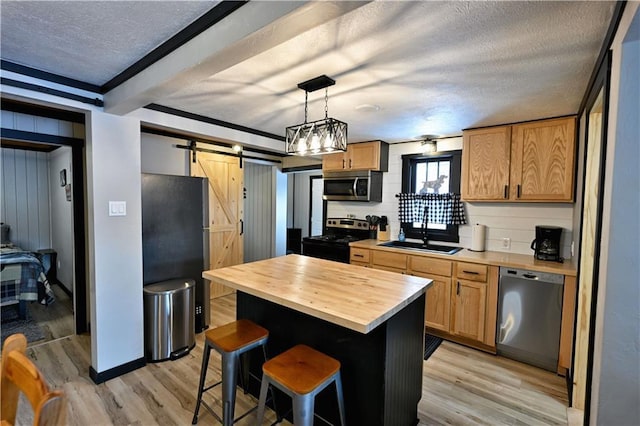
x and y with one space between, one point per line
485 164
532 161
359 156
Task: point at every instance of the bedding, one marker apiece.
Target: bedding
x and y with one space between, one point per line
22 278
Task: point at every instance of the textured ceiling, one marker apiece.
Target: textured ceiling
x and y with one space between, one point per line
402 69
91 41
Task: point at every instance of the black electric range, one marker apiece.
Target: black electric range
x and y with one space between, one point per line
334 243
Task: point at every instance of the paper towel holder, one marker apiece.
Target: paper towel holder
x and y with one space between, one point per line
478 238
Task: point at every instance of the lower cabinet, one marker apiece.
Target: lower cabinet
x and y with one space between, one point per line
461 303
469 309
437 313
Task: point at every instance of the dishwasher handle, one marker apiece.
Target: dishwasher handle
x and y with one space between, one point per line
532 275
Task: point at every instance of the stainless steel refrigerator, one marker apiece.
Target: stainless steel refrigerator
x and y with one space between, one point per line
175 237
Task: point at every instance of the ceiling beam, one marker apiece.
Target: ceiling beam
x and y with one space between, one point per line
254 28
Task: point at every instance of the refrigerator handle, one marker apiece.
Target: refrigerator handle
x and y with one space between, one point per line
241 226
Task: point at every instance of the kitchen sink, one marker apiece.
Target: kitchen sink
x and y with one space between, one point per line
431 248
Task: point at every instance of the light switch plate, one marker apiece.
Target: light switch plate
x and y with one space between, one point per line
506 243
117 208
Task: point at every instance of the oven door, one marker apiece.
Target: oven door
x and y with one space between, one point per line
325 250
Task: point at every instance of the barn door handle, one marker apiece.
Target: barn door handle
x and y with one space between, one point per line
241 226
458 289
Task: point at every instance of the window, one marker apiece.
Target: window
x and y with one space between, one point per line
436 173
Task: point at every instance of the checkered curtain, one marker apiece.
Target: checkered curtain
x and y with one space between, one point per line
439 208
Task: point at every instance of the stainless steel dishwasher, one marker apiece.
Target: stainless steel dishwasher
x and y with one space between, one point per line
529 316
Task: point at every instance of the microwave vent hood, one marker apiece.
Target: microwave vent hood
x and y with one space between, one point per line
352 186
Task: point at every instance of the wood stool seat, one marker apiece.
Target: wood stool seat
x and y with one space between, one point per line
231 340
301 368
301 372
235 335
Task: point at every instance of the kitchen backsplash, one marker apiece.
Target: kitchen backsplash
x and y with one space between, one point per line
515 221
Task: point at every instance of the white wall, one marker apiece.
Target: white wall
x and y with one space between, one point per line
516 221
616 370
115 242
160 156
62 216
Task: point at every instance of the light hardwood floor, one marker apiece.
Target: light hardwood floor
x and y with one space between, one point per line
460 386
57 319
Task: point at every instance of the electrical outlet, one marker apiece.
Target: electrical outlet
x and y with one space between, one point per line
506 243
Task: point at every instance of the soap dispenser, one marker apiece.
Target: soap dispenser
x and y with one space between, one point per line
401 235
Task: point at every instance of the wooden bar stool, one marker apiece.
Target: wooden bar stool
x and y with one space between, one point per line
301 372
230 340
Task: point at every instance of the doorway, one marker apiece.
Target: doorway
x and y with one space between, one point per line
590 237
317 206
42 195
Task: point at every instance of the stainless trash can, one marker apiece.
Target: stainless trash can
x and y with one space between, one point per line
169 319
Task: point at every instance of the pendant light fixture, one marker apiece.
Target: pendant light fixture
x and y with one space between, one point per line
321 136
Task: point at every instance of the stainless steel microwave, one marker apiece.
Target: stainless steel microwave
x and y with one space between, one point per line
352 186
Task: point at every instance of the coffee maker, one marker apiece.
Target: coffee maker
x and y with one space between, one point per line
547 243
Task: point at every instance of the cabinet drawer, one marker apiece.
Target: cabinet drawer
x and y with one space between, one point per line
429 265
359 255
393 260
472 271
390 269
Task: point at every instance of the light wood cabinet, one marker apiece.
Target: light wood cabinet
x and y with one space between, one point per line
469 308
462 302
372 155
474 306
359 255
542 158
437 312
472 271
485 164
528 162
389 259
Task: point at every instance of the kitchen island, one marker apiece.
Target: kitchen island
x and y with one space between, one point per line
372 321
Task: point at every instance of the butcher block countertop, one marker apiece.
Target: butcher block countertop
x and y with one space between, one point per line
494 258
351 296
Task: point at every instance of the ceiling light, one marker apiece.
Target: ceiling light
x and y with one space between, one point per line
429 144
237 148
367 108
321 136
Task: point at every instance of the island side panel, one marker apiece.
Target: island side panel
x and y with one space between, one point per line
404 362
381 370
362 358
